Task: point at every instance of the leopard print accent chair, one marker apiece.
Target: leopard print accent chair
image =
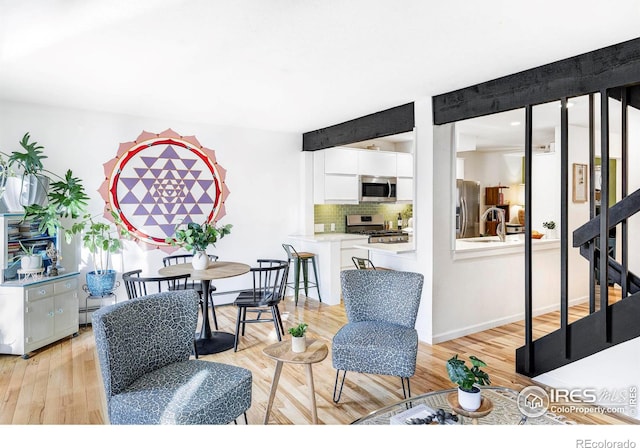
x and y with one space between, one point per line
144 347
379 337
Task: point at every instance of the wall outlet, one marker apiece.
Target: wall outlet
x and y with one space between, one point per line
318 228
333 226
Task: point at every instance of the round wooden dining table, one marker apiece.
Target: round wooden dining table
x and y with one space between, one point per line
208 342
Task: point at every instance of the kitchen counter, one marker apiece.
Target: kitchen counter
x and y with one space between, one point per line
491 246
389 248
325 237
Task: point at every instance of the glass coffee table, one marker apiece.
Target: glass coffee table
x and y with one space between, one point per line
504 410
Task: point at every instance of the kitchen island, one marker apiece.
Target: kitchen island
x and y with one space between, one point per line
334 252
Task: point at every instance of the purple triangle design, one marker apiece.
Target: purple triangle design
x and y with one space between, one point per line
149 161
150 221
141 210
189 162
129 182
129 198
167 229
169 153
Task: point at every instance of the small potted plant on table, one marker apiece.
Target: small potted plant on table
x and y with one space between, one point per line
298 338
468 380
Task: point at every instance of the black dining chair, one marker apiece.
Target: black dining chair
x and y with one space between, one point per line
269 284
171 260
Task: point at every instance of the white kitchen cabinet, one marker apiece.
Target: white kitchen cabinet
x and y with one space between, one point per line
404 164
404 189
36 314
377 163
340 161
335 178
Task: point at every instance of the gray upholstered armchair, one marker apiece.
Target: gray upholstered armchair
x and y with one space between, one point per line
380 336
144 348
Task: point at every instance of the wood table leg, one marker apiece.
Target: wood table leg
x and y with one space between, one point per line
272 393
312 395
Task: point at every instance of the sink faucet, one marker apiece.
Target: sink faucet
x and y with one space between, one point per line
500 230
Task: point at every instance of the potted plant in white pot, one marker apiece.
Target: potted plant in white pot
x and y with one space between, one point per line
298 338
551 229
196 238
42 194
29 260
468 380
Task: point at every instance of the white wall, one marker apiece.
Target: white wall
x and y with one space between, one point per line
474 294
263 174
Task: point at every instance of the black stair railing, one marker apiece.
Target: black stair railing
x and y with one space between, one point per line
591 334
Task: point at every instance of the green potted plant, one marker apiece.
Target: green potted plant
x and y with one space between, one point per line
102 240
468 379
298 338
551 229
196 238
43 195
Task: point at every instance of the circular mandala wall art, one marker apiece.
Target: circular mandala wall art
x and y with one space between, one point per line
160 181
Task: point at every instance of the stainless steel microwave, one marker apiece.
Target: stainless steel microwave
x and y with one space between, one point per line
377 189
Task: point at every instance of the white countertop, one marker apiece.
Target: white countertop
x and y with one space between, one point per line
491 246
328 237
393 248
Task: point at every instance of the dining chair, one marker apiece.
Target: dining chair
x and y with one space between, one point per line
143 348
365 263
137 286
171 260
379 337
269 284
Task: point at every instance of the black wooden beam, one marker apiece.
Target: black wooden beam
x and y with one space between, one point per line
392 121
613 66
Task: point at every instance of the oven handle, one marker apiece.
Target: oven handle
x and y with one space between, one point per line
389 184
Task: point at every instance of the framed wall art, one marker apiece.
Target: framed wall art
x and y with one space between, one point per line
160 181
580 184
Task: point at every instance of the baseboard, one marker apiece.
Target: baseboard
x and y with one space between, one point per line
460 332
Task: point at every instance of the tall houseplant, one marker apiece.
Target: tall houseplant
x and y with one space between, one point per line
44 196
196 238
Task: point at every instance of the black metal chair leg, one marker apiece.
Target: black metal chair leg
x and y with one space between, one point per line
274 313
281 326
235 343
246 422
406 392
335 386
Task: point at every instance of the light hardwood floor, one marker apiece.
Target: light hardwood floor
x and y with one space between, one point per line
60 384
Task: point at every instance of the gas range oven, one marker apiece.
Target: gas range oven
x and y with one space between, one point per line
374 227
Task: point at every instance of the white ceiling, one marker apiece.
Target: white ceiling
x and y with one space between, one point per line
285 65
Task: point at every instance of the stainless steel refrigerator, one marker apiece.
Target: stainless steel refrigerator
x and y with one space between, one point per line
467 208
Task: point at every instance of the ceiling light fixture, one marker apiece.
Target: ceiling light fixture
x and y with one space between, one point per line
515 123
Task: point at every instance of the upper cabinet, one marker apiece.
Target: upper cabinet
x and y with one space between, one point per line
377 163
337 171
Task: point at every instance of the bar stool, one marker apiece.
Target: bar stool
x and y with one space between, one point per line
302 259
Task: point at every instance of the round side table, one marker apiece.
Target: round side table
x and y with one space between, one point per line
281 352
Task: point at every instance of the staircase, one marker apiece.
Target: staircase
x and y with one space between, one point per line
610 325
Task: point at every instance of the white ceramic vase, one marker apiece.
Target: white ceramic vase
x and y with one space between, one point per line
200 261
469 401
299 344
31 262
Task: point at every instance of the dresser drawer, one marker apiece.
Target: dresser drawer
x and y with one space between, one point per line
70 284
38 292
